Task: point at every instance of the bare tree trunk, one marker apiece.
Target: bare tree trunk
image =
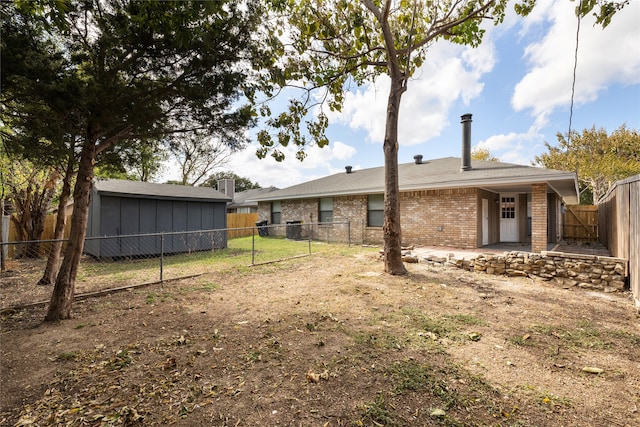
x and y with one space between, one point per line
22 218
3 264
42 203
391 228
32 204
63 291
50 271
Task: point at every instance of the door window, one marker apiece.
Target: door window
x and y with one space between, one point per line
508 207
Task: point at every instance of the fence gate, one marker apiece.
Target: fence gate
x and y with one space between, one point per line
581 223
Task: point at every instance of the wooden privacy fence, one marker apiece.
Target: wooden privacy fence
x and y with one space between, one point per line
241 220
235 220
581 223
619 219
49 228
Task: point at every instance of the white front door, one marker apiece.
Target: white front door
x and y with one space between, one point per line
485 222
508 217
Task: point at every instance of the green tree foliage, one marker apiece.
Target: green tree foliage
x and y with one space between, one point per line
114 73
603 10
599 158
479 153
240 183
140 160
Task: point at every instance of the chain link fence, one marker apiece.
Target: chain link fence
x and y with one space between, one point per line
114 262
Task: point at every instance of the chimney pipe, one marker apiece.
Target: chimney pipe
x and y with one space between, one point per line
465 119
418 159
348 169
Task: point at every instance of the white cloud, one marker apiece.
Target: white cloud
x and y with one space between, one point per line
513 147
450 73
605 56
342 151
319 162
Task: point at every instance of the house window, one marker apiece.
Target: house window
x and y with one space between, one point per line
325 209
508 207
276 212
375 210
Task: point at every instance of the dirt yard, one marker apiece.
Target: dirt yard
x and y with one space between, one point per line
328 341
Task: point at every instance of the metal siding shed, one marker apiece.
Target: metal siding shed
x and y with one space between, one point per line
120 208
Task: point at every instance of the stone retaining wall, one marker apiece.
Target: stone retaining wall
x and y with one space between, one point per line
607 274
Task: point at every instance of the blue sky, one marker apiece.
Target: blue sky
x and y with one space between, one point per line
517 85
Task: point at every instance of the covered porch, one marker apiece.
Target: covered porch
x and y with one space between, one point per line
527 214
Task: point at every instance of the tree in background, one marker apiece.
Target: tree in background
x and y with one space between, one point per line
599 159
31 191
240 183
479 153
198 155
133 70
141 160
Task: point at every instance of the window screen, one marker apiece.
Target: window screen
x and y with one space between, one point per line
325 209
375 210
276 212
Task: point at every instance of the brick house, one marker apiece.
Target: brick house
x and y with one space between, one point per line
453 202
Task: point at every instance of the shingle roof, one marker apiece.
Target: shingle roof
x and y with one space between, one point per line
245 198
166 191
433 174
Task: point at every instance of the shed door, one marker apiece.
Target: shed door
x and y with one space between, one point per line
508 217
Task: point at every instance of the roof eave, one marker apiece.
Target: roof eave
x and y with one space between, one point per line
432 186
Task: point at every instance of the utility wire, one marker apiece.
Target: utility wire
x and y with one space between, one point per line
575 67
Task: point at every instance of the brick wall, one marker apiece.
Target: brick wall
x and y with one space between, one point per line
440 217
431 217
538 217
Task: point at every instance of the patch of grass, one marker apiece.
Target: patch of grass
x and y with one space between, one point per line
450 326
237 258
521 340
253 356
67 355
153 297
634 339
271 349
376 413
210 286
411 376
584 335
547 399
121 360
447 386
466 319
384 341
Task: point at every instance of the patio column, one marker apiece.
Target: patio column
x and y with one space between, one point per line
538 217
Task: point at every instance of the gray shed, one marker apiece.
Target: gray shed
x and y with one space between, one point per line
120 207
